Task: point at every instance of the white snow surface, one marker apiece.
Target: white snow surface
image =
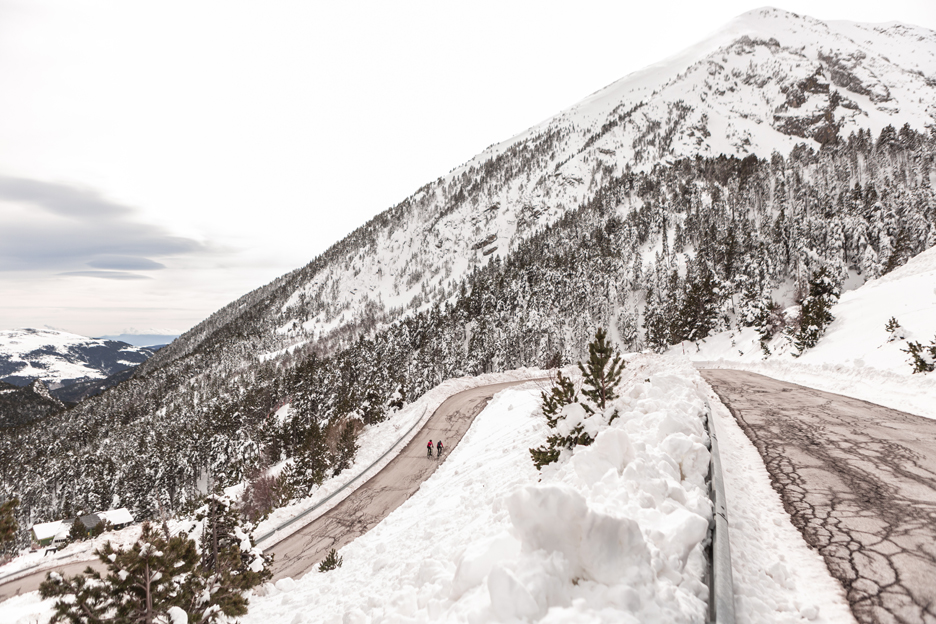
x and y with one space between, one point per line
611 533
856 357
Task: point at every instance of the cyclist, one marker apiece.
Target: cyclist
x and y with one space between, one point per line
439 449
429 449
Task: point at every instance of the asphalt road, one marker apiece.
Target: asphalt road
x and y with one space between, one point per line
385 491
859 482
369 504
30 582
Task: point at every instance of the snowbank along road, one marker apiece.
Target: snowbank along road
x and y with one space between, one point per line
858 480
368 505
385 491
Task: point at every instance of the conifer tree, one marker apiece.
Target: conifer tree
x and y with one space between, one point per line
142 584
922 357
331 561
816 310
8 525
602 372
229 561
346 449
312 460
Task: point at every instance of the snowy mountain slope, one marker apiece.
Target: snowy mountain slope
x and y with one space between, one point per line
23 405
767 81
514 260
857 356
59 358
460 548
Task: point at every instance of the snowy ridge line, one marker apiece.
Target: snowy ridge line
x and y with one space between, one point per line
721 588
419 421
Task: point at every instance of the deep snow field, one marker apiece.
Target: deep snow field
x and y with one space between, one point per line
612 533
857 356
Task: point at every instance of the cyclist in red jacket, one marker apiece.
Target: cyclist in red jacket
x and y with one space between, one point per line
429 449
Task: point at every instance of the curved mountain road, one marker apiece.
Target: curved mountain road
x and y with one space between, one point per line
385 491
359 512
858 480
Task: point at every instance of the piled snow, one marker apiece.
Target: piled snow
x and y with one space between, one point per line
856 357
613 532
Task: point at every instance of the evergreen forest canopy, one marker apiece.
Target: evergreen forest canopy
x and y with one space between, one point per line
676 253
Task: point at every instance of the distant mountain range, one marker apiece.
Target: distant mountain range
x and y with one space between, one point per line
142 340
59 358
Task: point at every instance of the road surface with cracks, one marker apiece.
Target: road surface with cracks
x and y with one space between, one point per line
361 511
385 491
859 482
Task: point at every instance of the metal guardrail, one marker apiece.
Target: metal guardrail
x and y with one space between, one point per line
721 585
343 487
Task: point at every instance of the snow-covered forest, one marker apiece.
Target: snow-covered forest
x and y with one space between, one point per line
672 254
755 172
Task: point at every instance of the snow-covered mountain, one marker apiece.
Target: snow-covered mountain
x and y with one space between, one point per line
59 358
765 83
668 206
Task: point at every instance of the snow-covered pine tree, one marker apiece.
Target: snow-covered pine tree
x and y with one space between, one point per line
331 561
8 525
229 561
312 461
816 310
346 448
602 374
922 357
142 584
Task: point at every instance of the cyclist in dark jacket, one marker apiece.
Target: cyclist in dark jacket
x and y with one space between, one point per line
439 448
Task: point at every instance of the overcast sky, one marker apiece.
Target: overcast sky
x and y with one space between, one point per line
159 159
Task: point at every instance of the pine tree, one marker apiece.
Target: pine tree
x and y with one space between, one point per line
8 525
922 357
229 560
816 310
312 461
346 449
561 394
331 561
602 372
141 586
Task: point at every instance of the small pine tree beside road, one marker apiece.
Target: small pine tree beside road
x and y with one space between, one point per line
601 374
331 561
